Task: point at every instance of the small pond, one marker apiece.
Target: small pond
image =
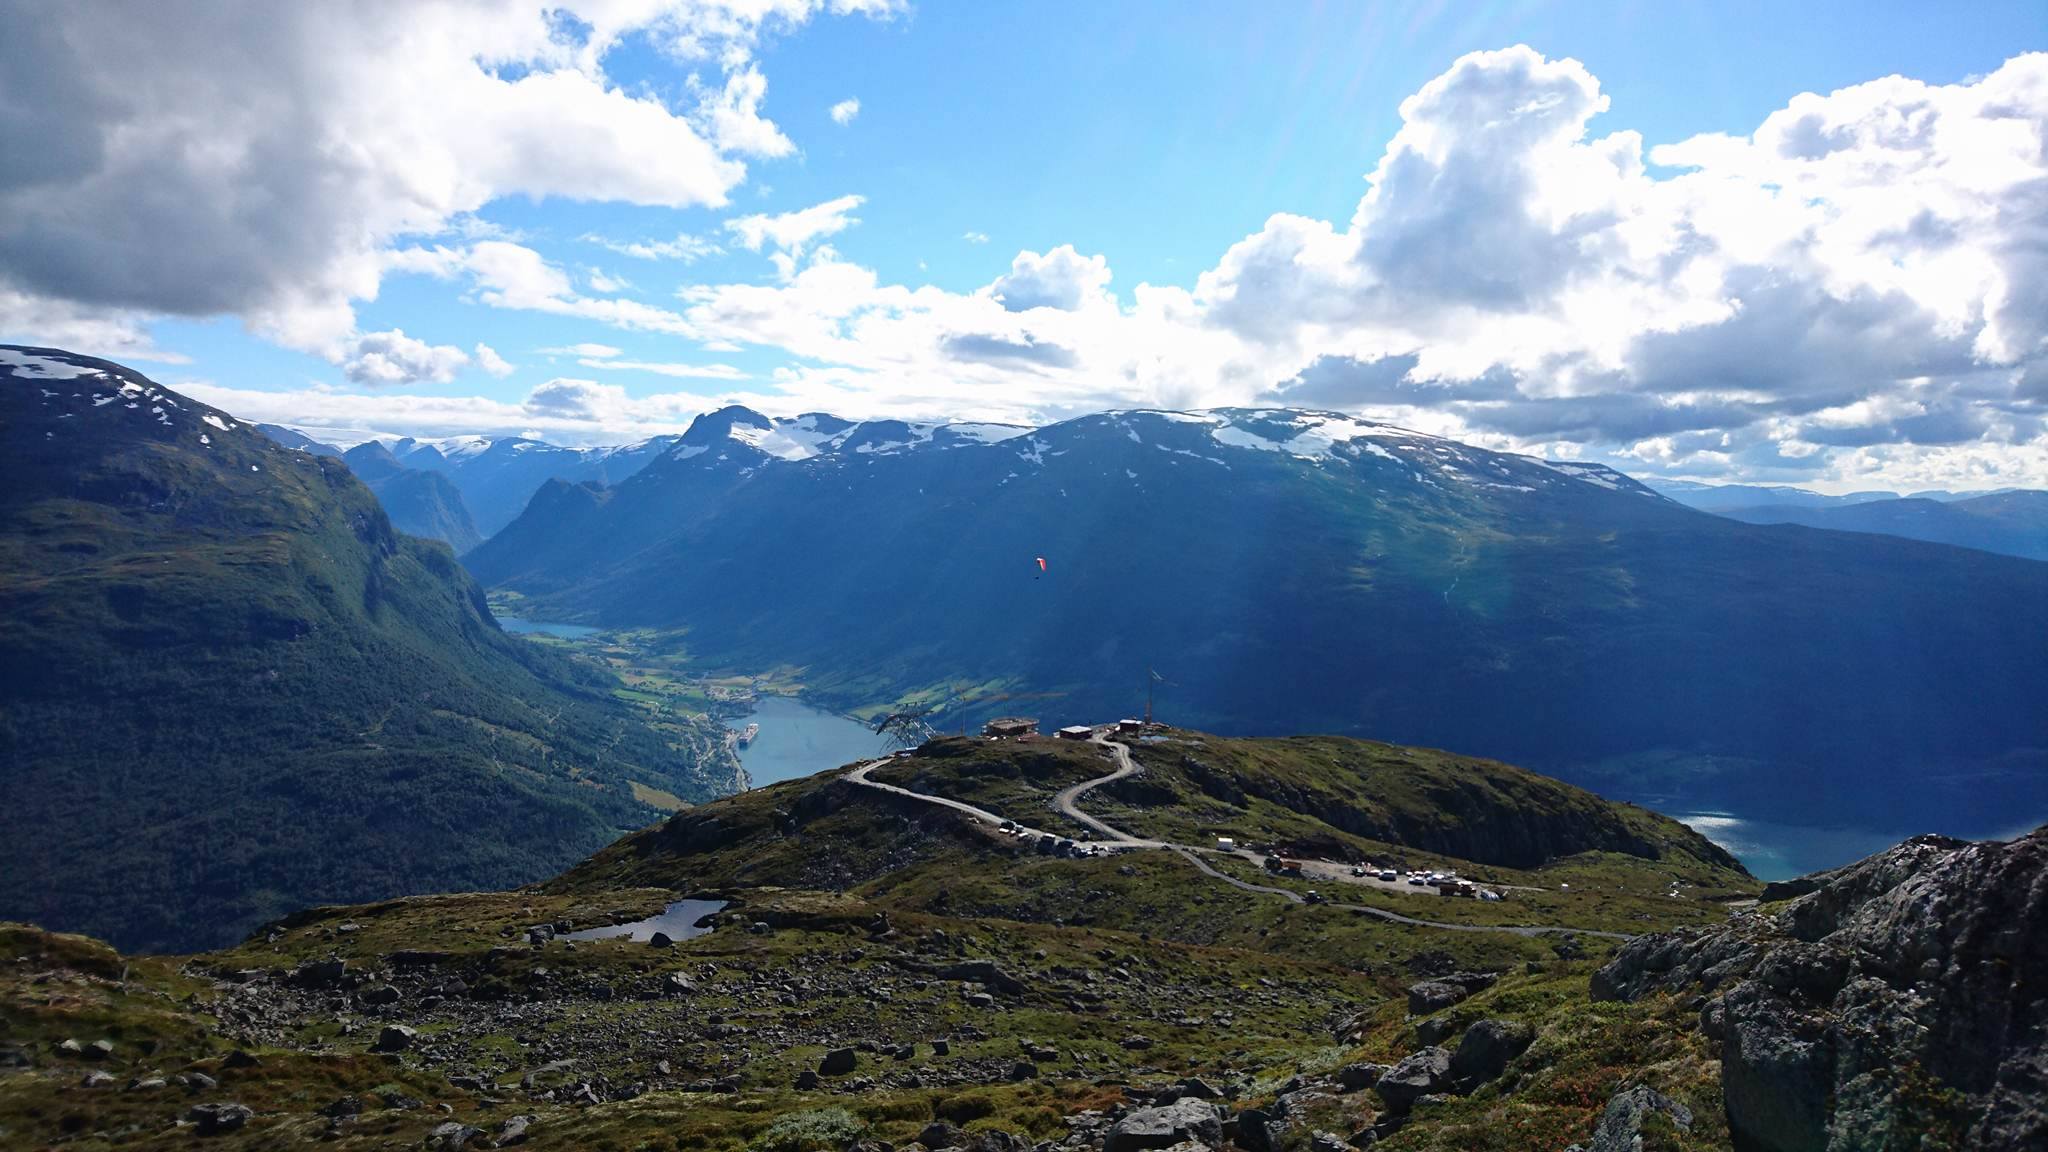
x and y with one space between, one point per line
678 920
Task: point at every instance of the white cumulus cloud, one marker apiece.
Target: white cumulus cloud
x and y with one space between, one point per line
257 159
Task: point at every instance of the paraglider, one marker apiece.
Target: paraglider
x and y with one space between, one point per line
1041 563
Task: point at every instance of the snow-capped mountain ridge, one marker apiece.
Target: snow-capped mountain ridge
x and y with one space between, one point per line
1316 437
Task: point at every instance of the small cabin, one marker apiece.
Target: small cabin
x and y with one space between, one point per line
1226 844
1010 727
1076 732
1130 727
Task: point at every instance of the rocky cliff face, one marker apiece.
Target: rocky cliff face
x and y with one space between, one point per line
1902 996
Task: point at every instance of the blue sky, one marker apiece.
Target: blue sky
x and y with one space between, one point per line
1116 145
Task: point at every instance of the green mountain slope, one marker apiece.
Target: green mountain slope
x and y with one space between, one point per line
228 688
420 503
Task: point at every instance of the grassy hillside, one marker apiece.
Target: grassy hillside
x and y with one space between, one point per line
968 982
231 689
1328 798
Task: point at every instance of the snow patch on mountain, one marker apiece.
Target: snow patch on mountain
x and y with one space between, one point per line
29 366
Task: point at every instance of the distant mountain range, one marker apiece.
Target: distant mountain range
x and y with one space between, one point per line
1299 571
229 689
419 502
498 475
461 489
1716 497
2014 523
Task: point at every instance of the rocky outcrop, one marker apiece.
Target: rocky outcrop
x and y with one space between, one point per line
1487 1047
1419 1074
1906 994
1443 991
1184 1120
1621 1123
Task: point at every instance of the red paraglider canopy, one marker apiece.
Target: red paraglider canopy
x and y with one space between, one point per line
1041 563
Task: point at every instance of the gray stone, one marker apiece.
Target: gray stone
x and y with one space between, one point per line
319 974
513 1131
1183 1120
1435 1030
838 1062
215 1119
100 1050
807 1080
452 1135
1433 996
1487 1048
1419 1074
395 1038
1359 1077
380 994
1622 1122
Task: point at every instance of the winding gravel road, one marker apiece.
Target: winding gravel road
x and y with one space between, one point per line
1067 803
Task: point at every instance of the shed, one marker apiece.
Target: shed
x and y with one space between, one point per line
1076 732
1130 726
1011 726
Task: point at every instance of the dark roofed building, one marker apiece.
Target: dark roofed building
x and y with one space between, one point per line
1012 726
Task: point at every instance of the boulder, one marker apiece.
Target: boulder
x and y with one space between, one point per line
838 1062
1182 1121
1621 1124
319 974
394 1038
1433 996
1435 1030
452 1135
660 940
942 1134
1419 1074
1487 1048
1359 1077
808 1081
983 972
513 1131
216 1119
380 994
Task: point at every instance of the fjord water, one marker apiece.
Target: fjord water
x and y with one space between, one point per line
799 740
519 626
1774 851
